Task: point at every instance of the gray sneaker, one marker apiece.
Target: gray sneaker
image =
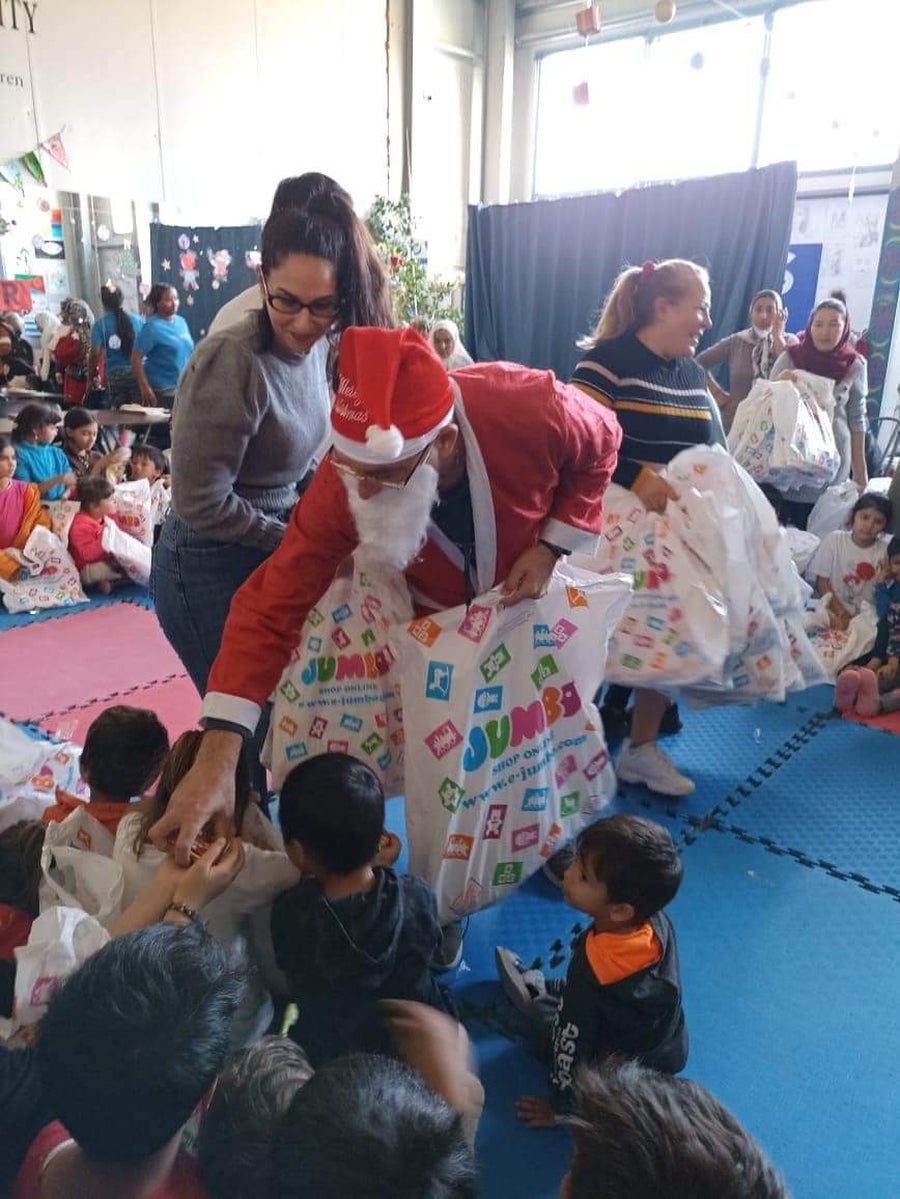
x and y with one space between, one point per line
450 950
648 764
520 986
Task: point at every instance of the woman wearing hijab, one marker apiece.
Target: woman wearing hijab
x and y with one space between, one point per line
447 344
824 349
749 354
72 352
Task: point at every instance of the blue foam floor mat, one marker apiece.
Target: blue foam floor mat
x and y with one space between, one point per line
835 803
791 989
129 594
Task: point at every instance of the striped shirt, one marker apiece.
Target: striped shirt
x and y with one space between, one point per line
662 404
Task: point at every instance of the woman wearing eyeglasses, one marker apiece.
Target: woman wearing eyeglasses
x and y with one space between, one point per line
252 414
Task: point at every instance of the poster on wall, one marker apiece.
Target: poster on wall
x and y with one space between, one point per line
206 266
845 234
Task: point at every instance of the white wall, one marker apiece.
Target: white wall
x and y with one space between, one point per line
201 105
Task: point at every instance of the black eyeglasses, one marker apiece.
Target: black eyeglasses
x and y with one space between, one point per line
325 308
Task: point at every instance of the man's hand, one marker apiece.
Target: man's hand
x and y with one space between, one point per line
529 576
536 1112
206 793
653 490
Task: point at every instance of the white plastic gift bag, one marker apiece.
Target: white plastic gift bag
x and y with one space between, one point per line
60 940
132 555
340 692
135 510
802 546
160 500
26 791
675 629
837 648
505 756
62 513
78 870
51 576
832 509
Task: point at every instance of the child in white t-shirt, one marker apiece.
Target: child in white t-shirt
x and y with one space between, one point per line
267 871
846 562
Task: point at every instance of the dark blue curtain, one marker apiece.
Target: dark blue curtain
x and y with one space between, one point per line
537 273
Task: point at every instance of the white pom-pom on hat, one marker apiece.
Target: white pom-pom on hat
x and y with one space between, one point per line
386 443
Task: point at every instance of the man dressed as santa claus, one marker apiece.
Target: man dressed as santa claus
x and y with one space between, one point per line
464 482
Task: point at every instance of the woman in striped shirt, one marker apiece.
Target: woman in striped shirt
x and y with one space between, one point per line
640 362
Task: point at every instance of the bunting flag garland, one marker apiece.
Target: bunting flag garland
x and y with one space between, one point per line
55 148
11 172
32 165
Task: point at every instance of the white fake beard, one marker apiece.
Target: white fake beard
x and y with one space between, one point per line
392 525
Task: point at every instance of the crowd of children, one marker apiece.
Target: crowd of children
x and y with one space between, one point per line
372 1092
36 471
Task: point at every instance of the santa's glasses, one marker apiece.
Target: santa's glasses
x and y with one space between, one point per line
391 481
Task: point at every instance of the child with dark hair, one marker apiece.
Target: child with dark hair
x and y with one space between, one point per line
871 687
148 462
369 1126
640 1134
237 1133
239 917
79 437
124 751
622 992
95 564
38 460
129 1045
350 932
20 877
846 561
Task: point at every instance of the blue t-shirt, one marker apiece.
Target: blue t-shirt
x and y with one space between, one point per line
37 463
166 346
105 336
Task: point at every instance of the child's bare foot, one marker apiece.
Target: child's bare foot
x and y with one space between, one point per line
868 703
104 587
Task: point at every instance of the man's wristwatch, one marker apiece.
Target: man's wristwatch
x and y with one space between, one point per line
556 550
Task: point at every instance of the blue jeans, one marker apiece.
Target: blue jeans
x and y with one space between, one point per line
192 584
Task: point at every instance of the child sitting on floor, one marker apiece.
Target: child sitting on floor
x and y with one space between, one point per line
20 877
350 932
130 1044
148 462
38 460
622 991
95 565
267 871
124 751
871 686
79 437
20 511
846 561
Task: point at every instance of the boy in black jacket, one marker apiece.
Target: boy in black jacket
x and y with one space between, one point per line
622 992
350 933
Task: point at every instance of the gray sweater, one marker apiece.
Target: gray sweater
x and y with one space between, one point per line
246 425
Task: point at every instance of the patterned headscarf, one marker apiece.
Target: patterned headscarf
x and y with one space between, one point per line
78 316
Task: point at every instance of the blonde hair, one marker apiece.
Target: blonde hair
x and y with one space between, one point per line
631 303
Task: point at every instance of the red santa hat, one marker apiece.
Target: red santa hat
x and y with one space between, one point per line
393 395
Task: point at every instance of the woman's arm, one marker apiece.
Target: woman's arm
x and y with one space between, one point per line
219 410
858 422
137 365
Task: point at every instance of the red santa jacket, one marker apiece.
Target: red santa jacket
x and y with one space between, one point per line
539 456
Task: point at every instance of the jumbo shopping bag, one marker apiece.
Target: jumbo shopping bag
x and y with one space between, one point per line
132 555
61 939
78 870
62 513
832 509
134 509
505 756
837 648
751 439
339 692
52 580
27 790
675 630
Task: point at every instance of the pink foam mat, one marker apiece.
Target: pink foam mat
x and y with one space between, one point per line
175 701
82 659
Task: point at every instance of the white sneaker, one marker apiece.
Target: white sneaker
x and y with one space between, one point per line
648 764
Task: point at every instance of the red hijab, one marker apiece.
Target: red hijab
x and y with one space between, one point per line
833 364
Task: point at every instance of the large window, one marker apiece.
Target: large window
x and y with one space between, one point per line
687 103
